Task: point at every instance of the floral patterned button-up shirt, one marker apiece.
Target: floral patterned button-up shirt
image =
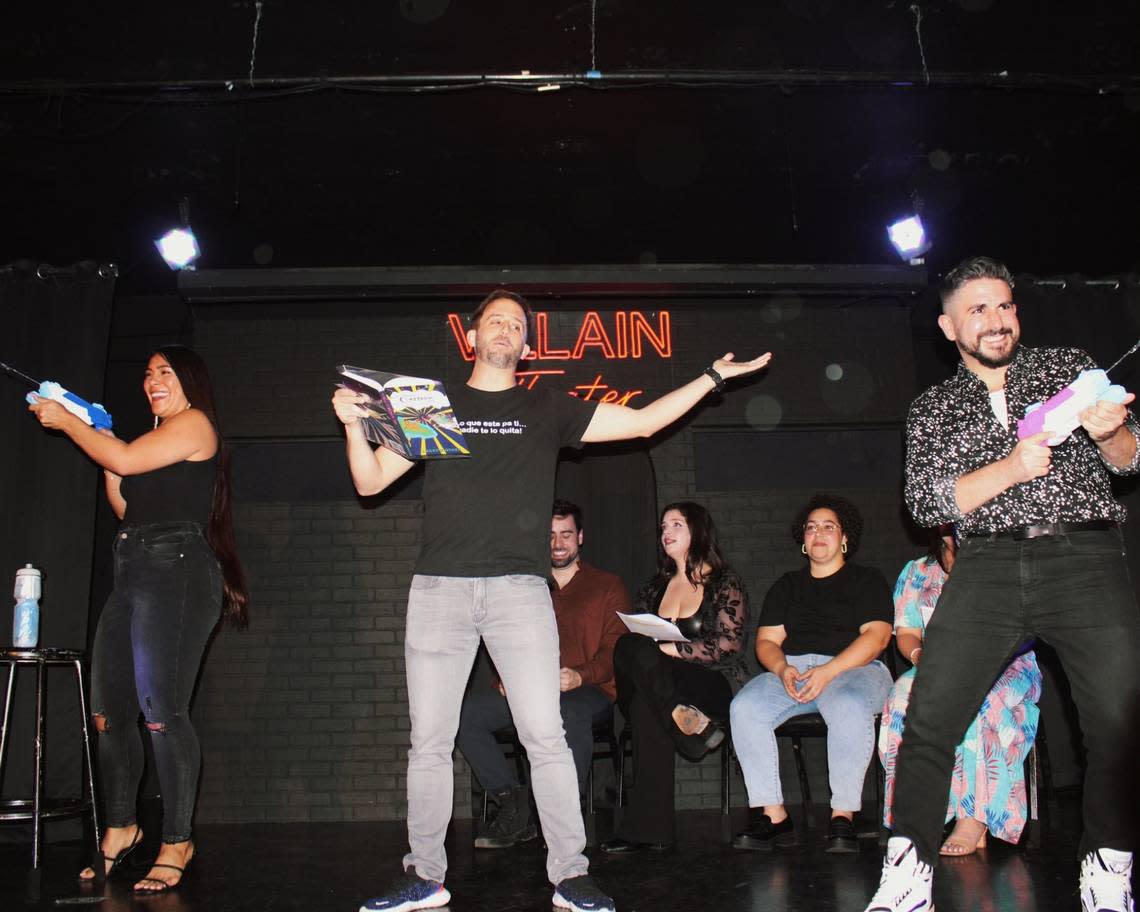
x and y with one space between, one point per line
952 430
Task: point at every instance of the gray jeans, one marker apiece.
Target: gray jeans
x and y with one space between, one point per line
513 614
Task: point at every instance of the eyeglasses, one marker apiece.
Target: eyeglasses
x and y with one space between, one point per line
823 528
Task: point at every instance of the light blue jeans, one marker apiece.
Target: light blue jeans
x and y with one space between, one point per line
513 614
848 705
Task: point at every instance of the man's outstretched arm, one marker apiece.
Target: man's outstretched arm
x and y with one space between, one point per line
619 422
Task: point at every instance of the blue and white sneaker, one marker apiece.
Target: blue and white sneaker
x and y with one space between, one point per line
581 894
407 893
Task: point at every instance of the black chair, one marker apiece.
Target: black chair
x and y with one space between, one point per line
812 725
508 737
1038 773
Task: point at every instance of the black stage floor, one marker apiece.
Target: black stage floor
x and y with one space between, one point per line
316 867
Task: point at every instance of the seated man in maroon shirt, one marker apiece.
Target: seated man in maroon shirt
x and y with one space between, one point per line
586 603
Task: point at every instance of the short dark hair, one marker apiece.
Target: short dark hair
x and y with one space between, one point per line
969 270
499 294
850 520
563 508
704 546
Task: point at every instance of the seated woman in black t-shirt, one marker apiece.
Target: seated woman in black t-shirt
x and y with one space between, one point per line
676 695
821 631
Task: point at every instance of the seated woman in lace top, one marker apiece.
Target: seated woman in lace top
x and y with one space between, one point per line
676 695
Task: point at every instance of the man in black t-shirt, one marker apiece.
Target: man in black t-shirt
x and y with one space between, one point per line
482 573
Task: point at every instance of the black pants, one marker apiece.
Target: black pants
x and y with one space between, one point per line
148 649
485 712
1074 592
649 685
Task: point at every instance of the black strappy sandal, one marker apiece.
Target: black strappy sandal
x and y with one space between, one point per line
164 886
100 871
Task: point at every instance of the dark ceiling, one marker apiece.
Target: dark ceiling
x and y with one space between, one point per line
388 133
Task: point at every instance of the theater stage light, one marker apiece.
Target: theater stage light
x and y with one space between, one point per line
179 248
909 238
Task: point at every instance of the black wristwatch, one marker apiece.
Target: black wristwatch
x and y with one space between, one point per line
716 378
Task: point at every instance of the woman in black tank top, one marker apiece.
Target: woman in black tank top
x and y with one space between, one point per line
176 573
675 696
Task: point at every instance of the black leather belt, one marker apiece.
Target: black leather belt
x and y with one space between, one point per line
1043 530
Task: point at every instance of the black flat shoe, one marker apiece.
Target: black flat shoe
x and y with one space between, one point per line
693 747
762 835
619 846
841 837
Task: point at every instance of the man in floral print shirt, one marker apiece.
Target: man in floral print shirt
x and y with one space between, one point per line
1041 555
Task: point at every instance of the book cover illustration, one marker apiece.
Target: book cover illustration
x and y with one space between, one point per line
410 415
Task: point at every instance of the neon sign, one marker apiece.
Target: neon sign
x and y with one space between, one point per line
631 335
583 390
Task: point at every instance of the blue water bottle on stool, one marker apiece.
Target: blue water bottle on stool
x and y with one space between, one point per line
26 618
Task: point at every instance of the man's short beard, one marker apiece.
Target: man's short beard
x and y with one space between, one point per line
501 359
565 562
992 363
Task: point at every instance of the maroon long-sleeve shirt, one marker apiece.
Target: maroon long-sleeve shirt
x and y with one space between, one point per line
588 626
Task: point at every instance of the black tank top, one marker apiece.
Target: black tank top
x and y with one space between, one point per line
182 492
691 626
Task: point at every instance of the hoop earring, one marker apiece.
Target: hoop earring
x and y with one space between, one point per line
843 547
803 549
156 422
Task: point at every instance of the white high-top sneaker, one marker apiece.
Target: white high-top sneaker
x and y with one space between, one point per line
1106 882
906 882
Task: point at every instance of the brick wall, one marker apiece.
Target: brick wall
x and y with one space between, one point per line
303 716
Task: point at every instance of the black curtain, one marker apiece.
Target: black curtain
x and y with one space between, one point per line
616 488
54 325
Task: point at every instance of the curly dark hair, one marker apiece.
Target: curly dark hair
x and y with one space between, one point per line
850 519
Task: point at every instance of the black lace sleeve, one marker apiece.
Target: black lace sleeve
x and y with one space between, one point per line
725 612
648 597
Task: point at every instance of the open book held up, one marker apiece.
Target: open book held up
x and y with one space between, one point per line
409 415
655 626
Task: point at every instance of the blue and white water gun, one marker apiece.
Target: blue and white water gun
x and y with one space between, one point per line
1060 415
91 413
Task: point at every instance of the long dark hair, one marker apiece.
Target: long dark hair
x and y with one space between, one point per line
704 548
195 379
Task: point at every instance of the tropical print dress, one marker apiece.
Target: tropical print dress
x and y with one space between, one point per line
989 772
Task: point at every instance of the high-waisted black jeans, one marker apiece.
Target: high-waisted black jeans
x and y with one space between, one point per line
1074 592
148 649
649 685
